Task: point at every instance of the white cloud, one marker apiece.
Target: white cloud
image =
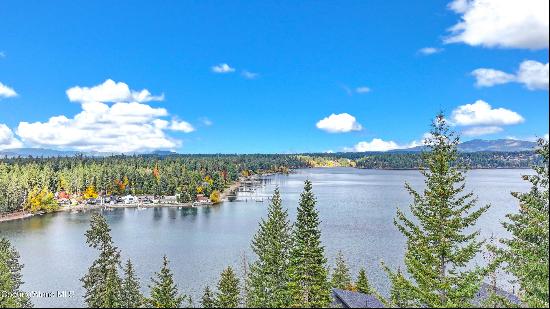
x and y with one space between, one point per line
489 77
340 123
130 126
375 144
501 23
222 68
477 131
430 50
7 138
546 136
2 54
533 74
250 75
481 113
6 92
110 91
205 121
362 89
182 126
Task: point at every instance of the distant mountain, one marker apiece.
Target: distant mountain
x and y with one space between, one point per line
476 145
42 152
498 145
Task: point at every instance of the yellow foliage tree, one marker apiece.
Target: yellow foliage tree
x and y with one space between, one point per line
90 192
40 200
215 196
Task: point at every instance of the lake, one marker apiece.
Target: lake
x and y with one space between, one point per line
356 207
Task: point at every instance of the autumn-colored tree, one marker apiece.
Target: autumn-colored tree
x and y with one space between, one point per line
215 196
41 200
90 192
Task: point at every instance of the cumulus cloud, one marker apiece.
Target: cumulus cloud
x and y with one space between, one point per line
110 91
532 74
477 131
376 144
430 50
182 126
490 77
130 126
222 68
339 123
501 23
481 113
6 92
7 138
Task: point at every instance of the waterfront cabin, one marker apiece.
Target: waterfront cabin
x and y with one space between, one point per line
168 199
129 199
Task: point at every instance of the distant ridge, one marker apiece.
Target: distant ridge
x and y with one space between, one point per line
498 145
476 145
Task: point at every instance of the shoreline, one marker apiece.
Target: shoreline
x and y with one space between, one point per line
19 215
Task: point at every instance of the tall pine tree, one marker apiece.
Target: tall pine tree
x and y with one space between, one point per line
341 278
228 295
362 283
267 282
208 298
164 291
308 285
526 253
11 295
102 282
131 295
439 241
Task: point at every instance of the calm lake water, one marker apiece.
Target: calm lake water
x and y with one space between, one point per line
356 207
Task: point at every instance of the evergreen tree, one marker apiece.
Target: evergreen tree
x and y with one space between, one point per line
131 295
401 295
341 278
208 298
362 283
267 279
164 292
526 253
11 295
308 285
102 282
439 245
228 290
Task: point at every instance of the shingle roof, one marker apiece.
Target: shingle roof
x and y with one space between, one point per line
350 299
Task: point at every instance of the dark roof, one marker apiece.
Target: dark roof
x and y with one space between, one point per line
485 292
350 299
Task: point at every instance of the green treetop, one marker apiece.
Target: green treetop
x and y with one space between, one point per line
102 282
11 295
341 278
362 283
208 298
439 241
526 253
228 295
267 282
131 295
164 292
308 285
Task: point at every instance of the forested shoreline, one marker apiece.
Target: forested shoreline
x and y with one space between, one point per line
33 183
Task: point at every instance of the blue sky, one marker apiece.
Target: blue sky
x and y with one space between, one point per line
291 65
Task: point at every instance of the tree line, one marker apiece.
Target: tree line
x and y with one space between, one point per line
290 269
30 183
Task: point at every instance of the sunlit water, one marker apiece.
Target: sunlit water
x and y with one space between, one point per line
356 207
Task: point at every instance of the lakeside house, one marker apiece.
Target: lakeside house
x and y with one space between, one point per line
129 199
168 199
